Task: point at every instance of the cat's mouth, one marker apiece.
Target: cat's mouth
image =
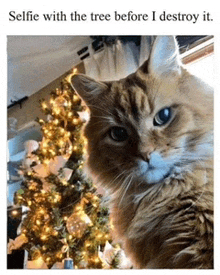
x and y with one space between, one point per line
154 175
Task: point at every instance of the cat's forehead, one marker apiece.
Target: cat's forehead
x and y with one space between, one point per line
131 96
140 96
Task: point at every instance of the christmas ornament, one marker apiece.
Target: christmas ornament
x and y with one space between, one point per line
57 163
27 162
84 116
68 263
42 170
124 262
77 223
67 173
30 146
110 253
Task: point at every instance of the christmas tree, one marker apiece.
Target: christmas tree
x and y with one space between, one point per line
65 217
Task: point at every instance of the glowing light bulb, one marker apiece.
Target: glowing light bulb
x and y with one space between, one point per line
43 237
56 111
61 142
38 262
96 260
64 182
70 114
52 101
46 161
60 255
44 105
68 78
99 235
66 135
48 259
87 244
41 121
56 121
75 98
47 229
42 211
31 187
75 148
75 121
78 208
14 213
44 144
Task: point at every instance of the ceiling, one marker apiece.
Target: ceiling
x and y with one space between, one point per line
35 61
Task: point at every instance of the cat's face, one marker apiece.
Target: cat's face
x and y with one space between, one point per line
148 125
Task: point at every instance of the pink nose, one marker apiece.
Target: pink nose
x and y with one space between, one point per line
146 155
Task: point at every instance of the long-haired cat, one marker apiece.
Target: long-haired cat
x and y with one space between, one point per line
150 143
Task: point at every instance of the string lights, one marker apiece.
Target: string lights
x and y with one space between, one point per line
65 218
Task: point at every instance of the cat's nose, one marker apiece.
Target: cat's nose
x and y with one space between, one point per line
147 154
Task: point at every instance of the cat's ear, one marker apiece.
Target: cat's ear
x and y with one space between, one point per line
87 88
164 56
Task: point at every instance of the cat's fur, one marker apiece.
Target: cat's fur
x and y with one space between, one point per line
164 215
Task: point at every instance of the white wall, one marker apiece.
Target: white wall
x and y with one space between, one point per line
204 69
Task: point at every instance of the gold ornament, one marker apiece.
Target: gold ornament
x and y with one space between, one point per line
77 223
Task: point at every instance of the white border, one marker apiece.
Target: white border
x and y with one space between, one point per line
108 28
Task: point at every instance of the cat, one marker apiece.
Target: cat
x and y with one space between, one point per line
150 143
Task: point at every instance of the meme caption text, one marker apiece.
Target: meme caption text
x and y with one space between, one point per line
29 15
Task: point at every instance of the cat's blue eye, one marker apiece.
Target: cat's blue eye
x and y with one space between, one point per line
162 117
118 134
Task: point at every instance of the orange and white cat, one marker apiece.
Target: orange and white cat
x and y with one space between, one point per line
150 143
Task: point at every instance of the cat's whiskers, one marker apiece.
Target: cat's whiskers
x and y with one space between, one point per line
99 178
125 187
118 176
192 157
194 202
101 109
103 117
